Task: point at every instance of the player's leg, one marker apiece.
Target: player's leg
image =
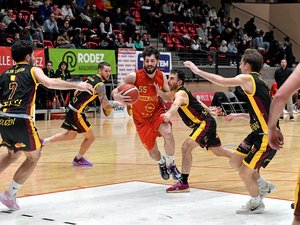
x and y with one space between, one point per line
186 150
161 160
165 129
221 151
8 158
89 138
8 198
66 135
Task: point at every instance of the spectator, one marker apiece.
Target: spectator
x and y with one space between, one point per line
10 24
138 43
50 28
119 42
250 28
57 13
119 19
232 47
259 43
66 10
223 47
242 47
145 40
129 43
44 11
63 73
35 29
202 32
106 27
288 52
64 41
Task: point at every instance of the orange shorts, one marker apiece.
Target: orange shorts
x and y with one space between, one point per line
148 130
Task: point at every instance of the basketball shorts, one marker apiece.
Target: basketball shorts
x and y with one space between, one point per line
76 122
205 134
19 134
148 130
256 150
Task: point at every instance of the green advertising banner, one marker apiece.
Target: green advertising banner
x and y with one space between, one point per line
82 61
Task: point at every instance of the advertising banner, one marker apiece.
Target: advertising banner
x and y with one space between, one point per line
126 62
6 60
205 97
83 61
165 62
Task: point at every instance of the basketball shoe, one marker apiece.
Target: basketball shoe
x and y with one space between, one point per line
8 201
263 192
172 169
81 162
164 170
179 187
252 207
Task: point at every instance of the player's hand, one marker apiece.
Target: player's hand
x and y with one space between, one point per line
166 116
125 100
232 116
157 89
191 66
216 111
276 139
83 86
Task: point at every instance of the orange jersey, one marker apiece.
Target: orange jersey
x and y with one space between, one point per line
148 103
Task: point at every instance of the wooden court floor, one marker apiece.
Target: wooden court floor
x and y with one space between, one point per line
118 156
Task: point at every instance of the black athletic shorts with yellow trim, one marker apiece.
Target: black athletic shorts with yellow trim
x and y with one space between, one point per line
19 134
76 121
255 147
205 134
297 196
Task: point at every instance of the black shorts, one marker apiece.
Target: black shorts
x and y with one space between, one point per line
255 147
76 122
205 134
19 134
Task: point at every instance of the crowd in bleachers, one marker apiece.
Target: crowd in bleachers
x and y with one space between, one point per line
182 25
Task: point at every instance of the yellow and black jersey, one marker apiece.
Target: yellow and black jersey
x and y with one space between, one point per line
259 104
193 113
18 89
81 100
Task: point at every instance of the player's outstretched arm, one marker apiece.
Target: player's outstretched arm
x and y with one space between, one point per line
101 91
180 99
53 83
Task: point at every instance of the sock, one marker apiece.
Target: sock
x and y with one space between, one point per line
161 161
46 140
256 199
169 160
13 188
184 178
79 156
262 183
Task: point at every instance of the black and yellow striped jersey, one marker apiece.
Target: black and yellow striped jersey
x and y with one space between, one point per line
193 113
81 100
258 103
18 89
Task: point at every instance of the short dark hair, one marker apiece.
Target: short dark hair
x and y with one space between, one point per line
102 64
20 49
49 62
151 51
254 59
63 62
180 74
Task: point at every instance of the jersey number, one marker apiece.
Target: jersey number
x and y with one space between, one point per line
13 87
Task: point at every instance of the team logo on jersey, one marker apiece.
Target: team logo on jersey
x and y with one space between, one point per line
149 107
20 145
12 77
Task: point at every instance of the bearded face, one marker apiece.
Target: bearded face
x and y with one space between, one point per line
150 64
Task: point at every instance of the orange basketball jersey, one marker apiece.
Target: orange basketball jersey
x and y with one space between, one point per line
149 103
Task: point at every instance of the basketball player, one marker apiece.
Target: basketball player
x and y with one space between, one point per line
290 86
76 121
17 93
254 151
195 115
153 88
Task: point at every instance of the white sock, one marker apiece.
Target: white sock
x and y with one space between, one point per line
256 199
169 159
262 182
79 156
161 161
13 188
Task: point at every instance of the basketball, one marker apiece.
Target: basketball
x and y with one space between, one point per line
131 91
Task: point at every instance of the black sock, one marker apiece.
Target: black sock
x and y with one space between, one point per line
184 178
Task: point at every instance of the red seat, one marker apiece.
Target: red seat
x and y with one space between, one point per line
47 44
91 44
182 27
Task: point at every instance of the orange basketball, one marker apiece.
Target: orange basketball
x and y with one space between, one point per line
130 90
